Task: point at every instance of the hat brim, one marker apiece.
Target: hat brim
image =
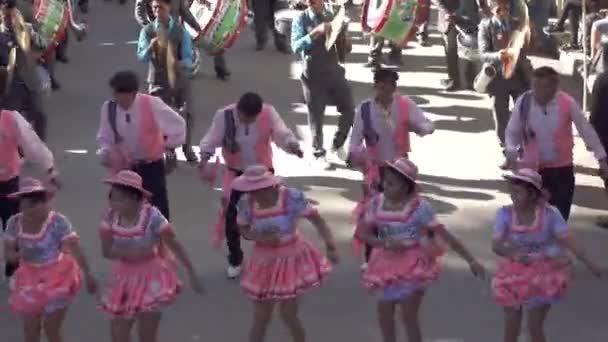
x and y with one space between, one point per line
143 191
392 166
243 184
19 194
522 179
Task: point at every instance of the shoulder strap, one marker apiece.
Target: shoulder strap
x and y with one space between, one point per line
524 114
112 121
371 137
229 141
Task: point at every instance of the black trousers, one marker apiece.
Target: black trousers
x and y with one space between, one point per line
8 208
263 21
572 11
559 181
233 235
29 103
155 180
450 46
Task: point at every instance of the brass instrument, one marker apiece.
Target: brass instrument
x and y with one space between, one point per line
80 29
165 55
22 30
519 38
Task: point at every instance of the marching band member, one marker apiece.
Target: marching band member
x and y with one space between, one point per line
283 265
138 132
244 131
17 135
263 20
177 95
539 136
51 259
374 60
383 123
180 11
408 244
533 241
452 12
142 246
24 94
323 78
493 39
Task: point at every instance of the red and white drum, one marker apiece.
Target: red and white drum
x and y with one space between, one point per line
396 20
53 19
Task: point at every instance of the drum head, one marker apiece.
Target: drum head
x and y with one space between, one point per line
375 13
204 11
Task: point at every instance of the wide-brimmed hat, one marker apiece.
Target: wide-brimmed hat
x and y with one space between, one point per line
28 186
527 176
129 179
405 167
255 178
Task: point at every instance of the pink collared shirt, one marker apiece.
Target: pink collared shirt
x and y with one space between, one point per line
246 136
170 123
545 122
387 147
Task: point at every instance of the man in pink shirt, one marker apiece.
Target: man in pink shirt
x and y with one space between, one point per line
539 136
136 132
244 131
16 134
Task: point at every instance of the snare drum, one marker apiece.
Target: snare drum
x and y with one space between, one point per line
53 18
467 46
396 20
221 21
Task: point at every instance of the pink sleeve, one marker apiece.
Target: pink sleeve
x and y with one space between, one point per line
33 148
171 124
501 227
105 226
105 136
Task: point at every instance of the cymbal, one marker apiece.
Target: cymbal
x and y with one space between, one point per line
337 25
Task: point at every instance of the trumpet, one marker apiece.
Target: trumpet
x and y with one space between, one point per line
519 38
80 29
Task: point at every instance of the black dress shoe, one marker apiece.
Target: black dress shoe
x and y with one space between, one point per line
54 84
281 46
222 73
62 58
259 46
84 7
452 87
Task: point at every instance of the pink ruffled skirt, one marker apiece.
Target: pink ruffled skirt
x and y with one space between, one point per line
144 286
283 272
44 289
393 271
542 282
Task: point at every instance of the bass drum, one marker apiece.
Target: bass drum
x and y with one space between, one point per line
53 19
221 22
395 20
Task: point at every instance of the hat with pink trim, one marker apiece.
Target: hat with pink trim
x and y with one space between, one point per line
405 167
28 186
255 178
129 179
528 176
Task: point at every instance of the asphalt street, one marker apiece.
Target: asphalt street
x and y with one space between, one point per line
458 172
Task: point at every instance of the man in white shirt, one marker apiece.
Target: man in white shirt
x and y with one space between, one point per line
539 136
16 134
136 132
244 131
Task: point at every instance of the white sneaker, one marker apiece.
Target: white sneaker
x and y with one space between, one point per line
341 153
322 163
233 271
364 267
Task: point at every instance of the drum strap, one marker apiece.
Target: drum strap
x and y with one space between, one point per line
112 121
229 141
371 137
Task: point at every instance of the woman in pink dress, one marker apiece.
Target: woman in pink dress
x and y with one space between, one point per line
533 241
141 243
51 261
407 243
283 265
